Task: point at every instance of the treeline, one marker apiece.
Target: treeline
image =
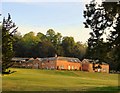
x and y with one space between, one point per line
47 45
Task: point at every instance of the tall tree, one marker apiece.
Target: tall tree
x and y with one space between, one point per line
45 49
114 39
57 44
113 8
41 37
68 45
56 40
30 41
18 45
100 18
8 29
79 50
50 35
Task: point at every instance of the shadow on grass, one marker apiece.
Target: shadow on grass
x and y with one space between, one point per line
93 90
108 89
8 72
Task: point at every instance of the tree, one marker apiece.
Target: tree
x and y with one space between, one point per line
98 20
47 45
57 44
18 45
68 45
79 50
30 41
45 49
101 18
114 39
50 35
8 29
56 40
41 36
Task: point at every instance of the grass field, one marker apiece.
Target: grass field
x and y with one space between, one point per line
53 80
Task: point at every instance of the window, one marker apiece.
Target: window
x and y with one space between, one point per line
68 67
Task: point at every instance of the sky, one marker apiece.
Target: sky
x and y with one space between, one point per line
64 17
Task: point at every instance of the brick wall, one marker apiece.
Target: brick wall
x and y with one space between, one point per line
66 65
87 66
105 68
90 67
37 64
49 64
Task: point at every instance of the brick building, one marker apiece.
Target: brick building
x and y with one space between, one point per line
94 66
19 62
29 63
34 63
61 63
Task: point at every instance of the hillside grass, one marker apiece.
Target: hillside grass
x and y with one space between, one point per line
56 80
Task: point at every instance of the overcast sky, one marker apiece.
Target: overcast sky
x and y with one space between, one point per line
64 17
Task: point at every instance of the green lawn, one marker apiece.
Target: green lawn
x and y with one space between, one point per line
53 80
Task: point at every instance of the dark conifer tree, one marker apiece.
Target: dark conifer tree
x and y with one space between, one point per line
8 29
